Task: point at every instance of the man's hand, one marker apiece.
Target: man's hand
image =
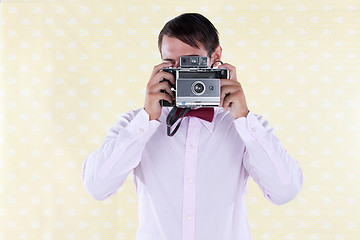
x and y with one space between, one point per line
154 91
232 96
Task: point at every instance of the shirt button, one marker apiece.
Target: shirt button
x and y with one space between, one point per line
192 145
189 218
142 130
190 180
253 129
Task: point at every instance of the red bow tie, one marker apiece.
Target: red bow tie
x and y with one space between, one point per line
203 113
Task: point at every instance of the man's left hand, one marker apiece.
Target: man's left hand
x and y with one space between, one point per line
232 96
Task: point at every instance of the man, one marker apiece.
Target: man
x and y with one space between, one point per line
192 185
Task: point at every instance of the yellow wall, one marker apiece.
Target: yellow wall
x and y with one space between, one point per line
69 68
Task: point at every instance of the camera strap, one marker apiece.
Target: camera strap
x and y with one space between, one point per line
172 118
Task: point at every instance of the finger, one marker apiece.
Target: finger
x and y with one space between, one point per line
228 66
227 90
161 96
228 101
161 76
163 86
167 76
228 82
230 86
231 68
157 68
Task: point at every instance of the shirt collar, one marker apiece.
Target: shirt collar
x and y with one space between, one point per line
210 125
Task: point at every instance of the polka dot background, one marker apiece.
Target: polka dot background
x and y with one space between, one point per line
70 68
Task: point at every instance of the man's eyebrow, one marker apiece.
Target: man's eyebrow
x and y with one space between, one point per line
169 59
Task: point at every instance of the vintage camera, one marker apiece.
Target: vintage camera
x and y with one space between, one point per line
196 84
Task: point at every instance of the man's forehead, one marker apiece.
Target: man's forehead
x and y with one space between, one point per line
173 48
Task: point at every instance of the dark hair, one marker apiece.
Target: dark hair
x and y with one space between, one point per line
193 29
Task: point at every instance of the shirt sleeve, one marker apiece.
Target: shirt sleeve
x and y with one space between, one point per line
267 162
106 169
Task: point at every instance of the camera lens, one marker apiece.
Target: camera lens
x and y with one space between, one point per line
198 88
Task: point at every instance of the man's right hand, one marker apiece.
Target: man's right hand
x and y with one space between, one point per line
154 90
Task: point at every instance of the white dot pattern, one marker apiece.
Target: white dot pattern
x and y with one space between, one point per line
69 68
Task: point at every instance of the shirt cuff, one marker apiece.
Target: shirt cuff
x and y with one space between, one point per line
140 125
249 127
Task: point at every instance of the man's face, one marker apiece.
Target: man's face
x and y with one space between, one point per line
173 48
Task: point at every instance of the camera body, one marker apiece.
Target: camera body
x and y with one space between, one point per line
196 84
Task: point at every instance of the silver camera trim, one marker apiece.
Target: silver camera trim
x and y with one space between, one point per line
196 100
196 73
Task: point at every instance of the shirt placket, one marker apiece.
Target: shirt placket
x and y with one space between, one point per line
189 191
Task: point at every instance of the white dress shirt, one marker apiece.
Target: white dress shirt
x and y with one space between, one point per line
192 186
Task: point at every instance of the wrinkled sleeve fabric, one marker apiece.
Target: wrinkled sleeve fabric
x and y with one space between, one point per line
106 169
278 175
